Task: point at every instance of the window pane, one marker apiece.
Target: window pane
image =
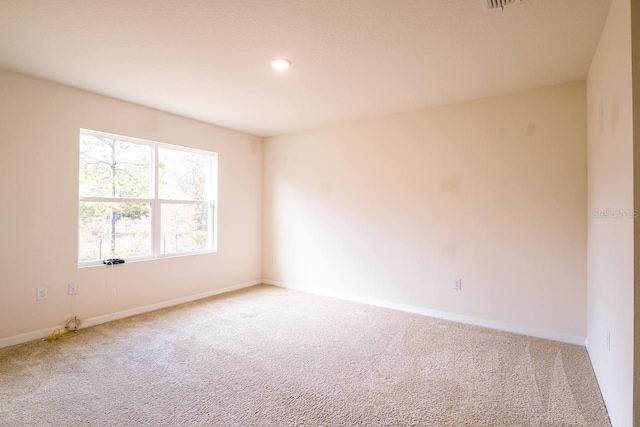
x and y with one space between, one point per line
114 168
113 230
182 174
185 227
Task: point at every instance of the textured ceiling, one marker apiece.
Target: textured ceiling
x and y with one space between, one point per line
209 59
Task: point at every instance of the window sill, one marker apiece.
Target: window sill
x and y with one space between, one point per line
143 259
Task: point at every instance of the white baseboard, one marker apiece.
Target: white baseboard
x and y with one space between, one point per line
556 336
523 330
39 334
605 393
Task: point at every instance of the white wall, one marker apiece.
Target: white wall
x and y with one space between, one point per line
39 124
491 191
610 185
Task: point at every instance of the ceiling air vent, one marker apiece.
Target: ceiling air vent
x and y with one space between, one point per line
499 4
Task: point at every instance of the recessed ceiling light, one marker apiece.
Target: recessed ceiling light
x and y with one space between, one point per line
280 64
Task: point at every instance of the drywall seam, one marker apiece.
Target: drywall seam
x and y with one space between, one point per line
39 334
538 333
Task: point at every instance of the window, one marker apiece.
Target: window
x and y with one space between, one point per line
141 199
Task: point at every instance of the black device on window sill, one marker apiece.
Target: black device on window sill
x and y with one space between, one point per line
112 261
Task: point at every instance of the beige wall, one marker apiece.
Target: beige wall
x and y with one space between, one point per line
491 191
610 186
39 123
635 47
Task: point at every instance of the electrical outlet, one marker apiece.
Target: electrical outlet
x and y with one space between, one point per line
457 284
42 294
273 260
73 288
608 340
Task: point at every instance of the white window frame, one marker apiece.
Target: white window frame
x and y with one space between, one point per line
155 203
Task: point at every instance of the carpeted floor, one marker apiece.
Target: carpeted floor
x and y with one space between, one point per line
266 356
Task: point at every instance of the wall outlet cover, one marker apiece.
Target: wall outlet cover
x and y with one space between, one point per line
42 294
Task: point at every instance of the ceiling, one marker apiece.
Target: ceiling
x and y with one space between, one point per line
209 59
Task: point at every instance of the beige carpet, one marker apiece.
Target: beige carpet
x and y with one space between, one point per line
273 357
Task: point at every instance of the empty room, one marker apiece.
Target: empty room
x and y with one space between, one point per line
320 213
